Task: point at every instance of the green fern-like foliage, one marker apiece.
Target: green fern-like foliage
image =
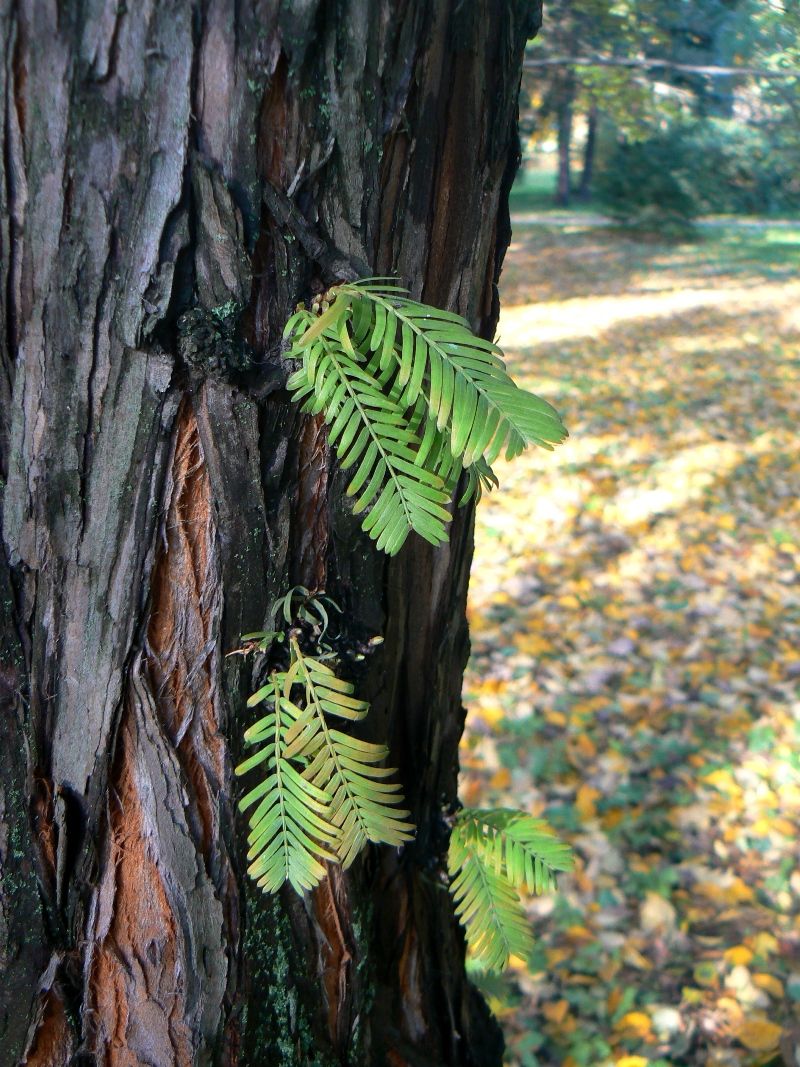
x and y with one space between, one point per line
289 827
412 399
325 793
494 854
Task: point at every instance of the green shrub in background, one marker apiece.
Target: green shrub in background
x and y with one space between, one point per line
740 169
698 167
645 183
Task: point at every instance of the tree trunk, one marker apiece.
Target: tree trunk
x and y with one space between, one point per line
564 109
585 186
176 176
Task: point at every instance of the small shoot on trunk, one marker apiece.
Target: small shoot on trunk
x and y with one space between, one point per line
413 399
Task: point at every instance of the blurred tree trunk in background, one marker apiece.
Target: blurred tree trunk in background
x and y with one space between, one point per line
565 101
590 145
176 176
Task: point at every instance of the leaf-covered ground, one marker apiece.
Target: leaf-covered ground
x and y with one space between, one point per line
635 619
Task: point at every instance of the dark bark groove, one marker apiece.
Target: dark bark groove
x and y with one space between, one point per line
176 175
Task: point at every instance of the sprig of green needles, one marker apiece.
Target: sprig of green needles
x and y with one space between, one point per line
413 399
325 793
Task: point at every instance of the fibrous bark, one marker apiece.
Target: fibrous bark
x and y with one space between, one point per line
176 176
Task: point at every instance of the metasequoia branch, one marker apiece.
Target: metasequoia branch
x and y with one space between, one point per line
660 64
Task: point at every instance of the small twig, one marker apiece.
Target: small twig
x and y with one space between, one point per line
334 263
660 64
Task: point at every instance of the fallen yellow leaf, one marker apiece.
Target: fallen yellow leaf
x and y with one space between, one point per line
585 801
632 1061
569 1025
723 780
772 985
738 892
491 685
533 644
710 891
739 955
784 827
579 933
614 818
555 1011
634 958
762 827
634 1022
555 718
764 944
586 746
501 779
491 714
759 1035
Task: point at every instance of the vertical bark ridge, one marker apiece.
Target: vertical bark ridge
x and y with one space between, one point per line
23 945
155 962
184 649
312 510
51 1042
182 632
12 210
168 999
136 1002
331 912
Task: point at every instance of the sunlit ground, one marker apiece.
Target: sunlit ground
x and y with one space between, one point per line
635 618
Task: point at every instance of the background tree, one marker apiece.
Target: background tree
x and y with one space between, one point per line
560 90
629 72
176 176
732 146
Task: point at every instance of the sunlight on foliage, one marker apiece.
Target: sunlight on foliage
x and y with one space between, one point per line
325 793
494 853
